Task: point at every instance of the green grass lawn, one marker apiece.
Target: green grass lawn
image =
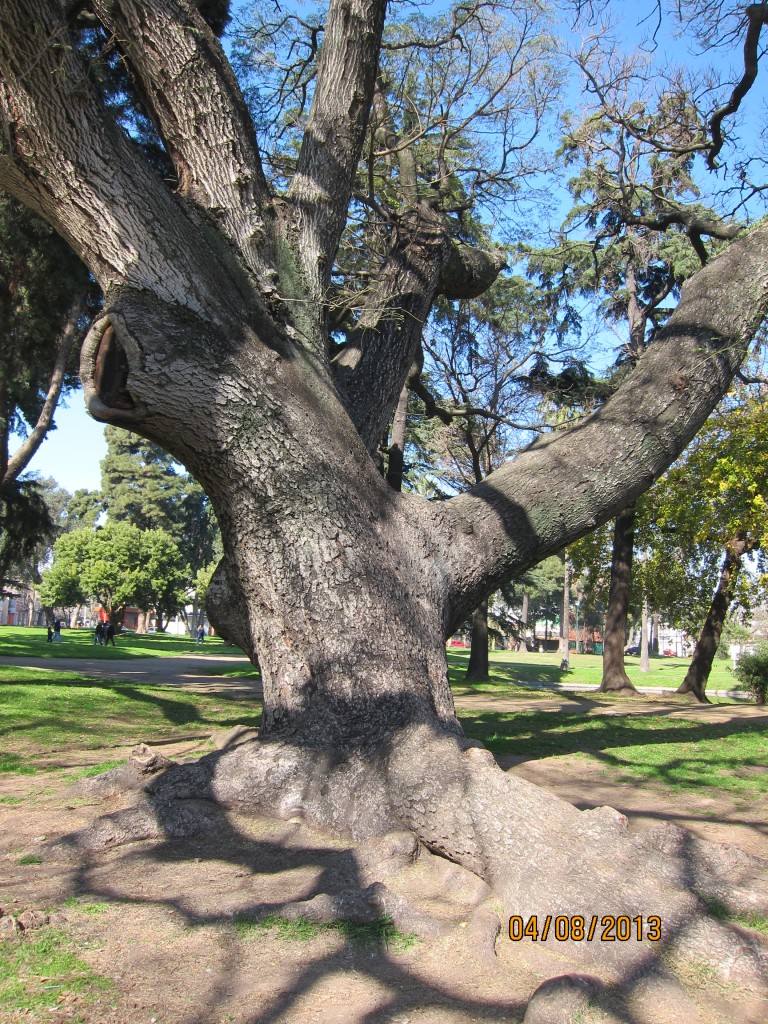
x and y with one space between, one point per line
680 753
46 710
23 642
510 667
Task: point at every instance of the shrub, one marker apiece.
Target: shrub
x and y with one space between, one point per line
752 670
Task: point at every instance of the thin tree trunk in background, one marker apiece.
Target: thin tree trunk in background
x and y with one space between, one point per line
397 443
645 661
695 681
615 678
478 655
521 645
655 633
565 617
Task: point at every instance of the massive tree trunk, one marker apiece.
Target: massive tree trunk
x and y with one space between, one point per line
213 342
696 677
615 678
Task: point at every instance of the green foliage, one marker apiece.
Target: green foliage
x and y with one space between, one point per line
752 671
117 565
716 491
142 485
39 276
25 524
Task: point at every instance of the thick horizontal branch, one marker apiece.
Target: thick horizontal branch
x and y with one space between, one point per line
686 218
188 86
571 481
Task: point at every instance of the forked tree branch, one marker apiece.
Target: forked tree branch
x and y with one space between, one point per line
188 86
757 15
63 155
423 262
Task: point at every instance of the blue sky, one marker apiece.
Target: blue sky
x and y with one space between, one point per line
71 454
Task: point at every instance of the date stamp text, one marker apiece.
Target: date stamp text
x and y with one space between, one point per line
609 928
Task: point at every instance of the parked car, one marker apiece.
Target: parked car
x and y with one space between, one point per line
633 650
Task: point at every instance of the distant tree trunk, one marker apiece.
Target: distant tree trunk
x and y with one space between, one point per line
645 663
615 678
74 616
695 681
397 443
655 633
477 668
141 622
565 617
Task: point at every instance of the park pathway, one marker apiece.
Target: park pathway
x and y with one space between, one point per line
201 671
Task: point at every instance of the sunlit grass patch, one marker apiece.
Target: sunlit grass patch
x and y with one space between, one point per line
681 753
41 709
531 669
28 642
381 932
39 972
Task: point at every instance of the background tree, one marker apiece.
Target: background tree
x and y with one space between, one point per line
632 237
216 341
475 386
117 565
43 298
708 512
143 485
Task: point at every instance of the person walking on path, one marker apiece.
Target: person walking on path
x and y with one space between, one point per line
200 635
57 631
98 633
109 634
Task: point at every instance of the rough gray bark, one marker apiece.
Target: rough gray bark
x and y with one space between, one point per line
615 678
213 343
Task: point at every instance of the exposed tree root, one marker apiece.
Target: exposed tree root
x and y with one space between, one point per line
539 854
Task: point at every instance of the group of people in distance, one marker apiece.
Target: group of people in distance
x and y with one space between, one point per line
103 633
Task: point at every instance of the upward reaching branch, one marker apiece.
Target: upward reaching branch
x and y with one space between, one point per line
62 156
25 452
330 151
756 15
186 83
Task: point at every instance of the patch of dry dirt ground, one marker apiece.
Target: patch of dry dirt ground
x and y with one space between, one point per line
168 921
